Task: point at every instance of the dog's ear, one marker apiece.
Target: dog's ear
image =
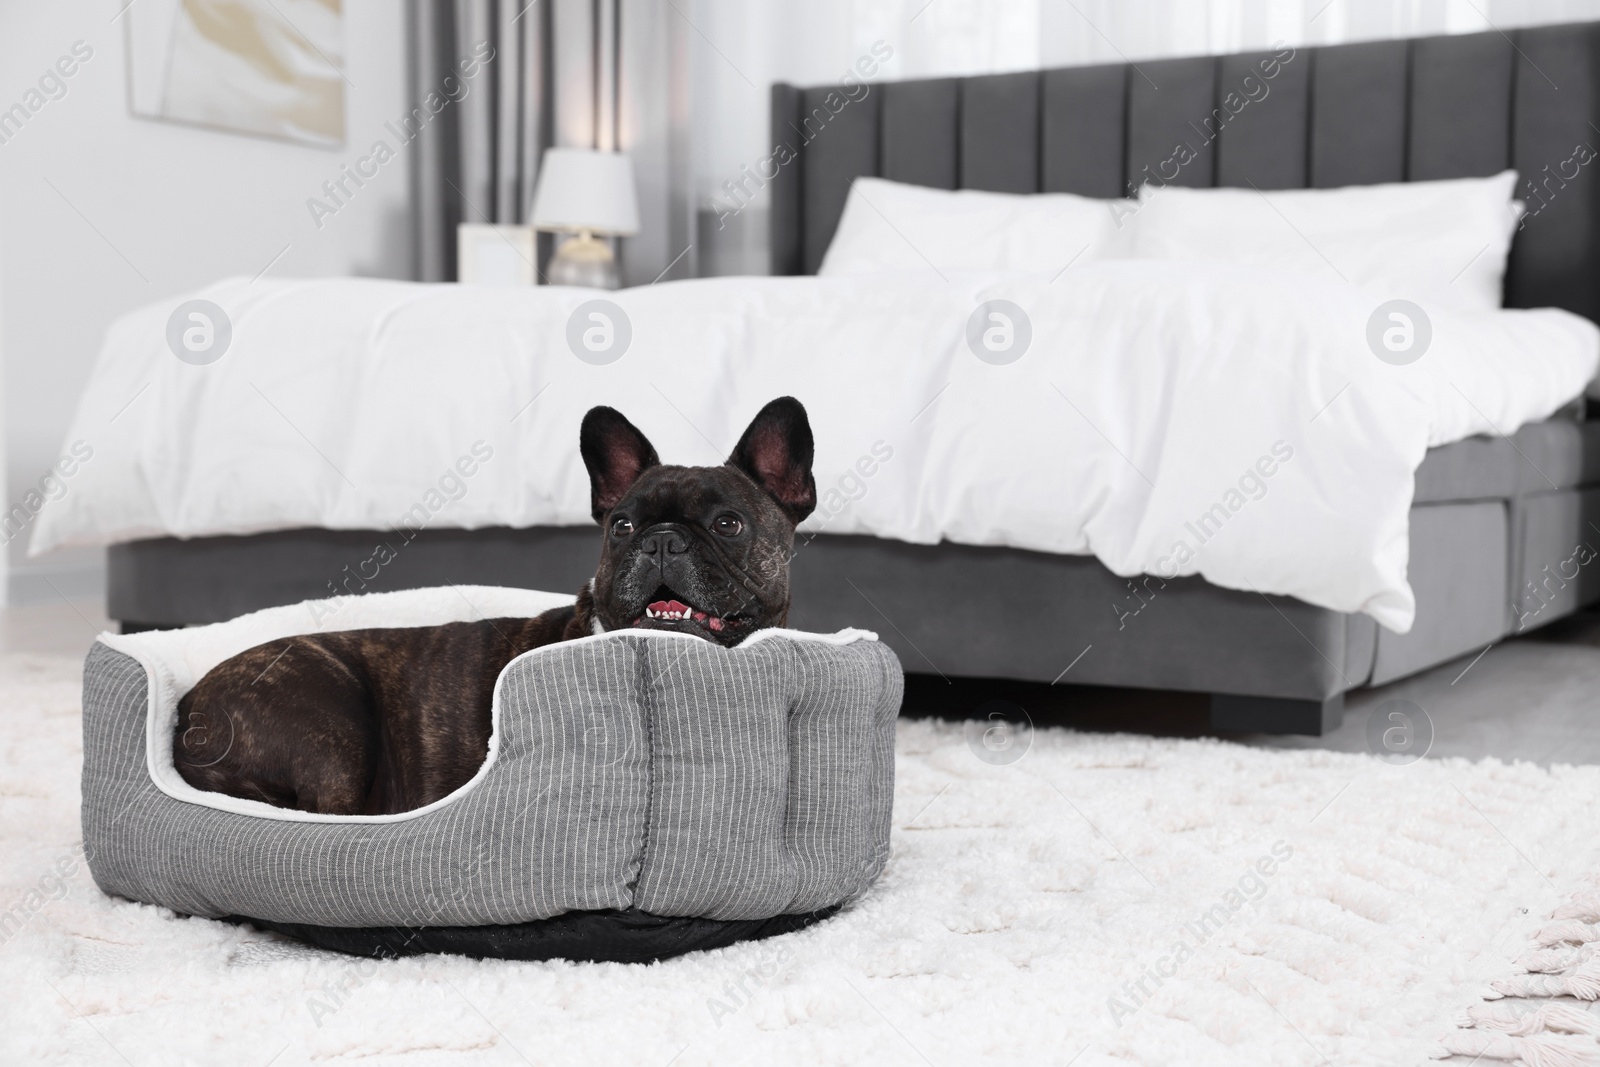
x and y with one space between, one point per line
776 451
616 453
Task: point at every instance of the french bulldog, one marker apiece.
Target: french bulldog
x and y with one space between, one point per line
379 721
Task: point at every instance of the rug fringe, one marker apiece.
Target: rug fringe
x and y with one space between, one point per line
1557 959
1551 1050
1584 906
1566 964
1582 982
1569 930
1510 1019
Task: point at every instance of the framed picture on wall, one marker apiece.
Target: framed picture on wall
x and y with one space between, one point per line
273 68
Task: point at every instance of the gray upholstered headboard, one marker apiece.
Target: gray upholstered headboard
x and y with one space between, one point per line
1356 114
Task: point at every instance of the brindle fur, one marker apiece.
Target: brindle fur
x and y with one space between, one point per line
379 721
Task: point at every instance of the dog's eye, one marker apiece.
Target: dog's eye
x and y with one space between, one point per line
621 527
727 525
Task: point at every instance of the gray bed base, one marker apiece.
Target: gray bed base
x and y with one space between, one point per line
1502 530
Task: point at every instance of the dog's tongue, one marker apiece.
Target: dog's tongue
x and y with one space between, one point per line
671 607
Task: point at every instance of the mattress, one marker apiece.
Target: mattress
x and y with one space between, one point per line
1165 418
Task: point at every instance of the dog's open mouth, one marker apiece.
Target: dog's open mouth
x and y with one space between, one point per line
667 611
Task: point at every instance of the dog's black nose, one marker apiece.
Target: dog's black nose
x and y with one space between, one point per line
663 543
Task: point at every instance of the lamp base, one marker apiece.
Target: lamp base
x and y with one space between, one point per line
583 261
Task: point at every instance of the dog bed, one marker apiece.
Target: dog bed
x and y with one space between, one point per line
645 793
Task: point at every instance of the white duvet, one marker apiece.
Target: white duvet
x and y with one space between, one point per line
1169 418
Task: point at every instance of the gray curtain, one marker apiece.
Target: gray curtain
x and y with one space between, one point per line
485 65
580 73
653 128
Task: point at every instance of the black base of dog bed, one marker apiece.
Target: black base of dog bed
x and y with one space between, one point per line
584 936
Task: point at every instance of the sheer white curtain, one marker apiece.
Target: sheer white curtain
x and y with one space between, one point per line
738 48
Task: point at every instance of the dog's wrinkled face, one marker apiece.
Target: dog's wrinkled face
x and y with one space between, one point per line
699 550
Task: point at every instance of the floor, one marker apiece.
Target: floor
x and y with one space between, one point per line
1533 698
59 627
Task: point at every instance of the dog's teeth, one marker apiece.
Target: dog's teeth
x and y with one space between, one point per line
673 611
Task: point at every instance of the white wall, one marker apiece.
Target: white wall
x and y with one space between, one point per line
175 208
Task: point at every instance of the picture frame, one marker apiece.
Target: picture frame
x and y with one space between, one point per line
502 255
264 68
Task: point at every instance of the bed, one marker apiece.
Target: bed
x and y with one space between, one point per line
765 801
1494 529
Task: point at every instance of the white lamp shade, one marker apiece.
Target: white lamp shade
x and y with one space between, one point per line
581 189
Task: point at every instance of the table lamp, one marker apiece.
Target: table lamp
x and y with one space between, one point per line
586 193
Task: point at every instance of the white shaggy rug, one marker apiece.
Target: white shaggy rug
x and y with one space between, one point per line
1106 899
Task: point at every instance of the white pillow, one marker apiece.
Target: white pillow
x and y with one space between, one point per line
1441 242
890 226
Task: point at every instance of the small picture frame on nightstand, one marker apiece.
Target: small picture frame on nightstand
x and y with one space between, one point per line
495 255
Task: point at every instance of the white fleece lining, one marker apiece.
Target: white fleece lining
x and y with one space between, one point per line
160 652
